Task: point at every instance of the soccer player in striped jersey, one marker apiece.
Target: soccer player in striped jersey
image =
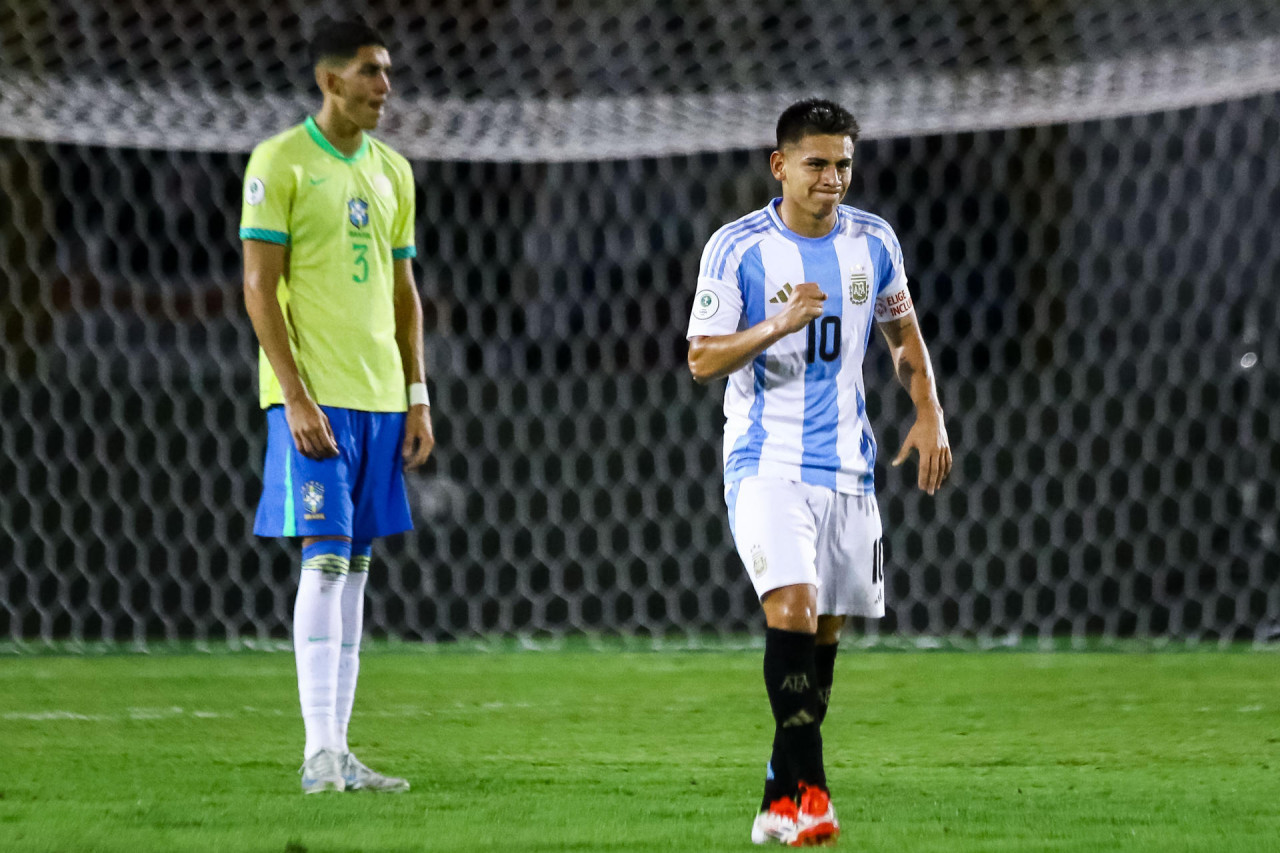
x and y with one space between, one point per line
786 301
327 226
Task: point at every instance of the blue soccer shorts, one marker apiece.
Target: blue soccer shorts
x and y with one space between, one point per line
358 493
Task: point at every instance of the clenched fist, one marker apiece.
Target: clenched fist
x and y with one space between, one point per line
803 306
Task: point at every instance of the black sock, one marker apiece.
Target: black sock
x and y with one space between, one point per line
778 782
791 678
824 658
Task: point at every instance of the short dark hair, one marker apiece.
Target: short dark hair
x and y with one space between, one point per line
815 116
341 40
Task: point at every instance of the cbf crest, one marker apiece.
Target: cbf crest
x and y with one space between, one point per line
313 498
358 212
859 287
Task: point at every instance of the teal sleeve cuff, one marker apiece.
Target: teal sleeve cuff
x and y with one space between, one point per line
404 252
266 235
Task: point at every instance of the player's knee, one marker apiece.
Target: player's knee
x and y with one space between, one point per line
311 540
791 608
829 628
792 620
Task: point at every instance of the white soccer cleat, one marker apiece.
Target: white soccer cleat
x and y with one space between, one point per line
816 824
777 824
322 772
360 777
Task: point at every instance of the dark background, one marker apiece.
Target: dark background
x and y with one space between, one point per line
1099 297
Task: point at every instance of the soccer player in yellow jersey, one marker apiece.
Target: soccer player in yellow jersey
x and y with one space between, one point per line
327 226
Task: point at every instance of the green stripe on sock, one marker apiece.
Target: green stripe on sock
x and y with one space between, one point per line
361 564
332 563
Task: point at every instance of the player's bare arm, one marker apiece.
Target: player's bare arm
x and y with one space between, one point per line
419 438
928 436
714 356
263 266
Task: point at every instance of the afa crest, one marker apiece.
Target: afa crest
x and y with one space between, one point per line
313 497
358 212
859 288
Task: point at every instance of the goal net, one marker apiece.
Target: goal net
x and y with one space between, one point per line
1086 194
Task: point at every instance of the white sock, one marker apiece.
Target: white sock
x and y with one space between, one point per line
317 640
349 658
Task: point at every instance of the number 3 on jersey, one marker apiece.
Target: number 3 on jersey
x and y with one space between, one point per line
824 339
361 262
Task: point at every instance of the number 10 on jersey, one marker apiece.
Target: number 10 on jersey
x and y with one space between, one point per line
824 339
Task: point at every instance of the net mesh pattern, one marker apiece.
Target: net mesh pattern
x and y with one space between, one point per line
1086 194
542 82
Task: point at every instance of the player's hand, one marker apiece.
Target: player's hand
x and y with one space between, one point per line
419 438
310 428
928 437
803 306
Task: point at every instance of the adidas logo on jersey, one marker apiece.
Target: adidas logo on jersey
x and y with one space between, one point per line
783 295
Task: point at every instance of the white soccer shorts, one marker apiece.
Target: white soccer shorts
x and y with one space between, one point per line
795 533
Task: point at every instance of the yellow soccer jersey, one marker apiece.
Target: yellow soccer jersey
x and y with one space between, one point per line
345 220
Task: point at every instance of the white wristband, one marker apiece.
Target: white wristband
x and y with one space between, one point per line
418 394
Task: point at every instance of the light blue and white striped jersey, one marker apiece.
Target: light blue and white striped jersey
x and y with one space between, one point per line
798 411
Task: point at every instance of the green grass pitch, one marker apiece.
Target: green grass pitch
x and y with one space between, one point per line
637 751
